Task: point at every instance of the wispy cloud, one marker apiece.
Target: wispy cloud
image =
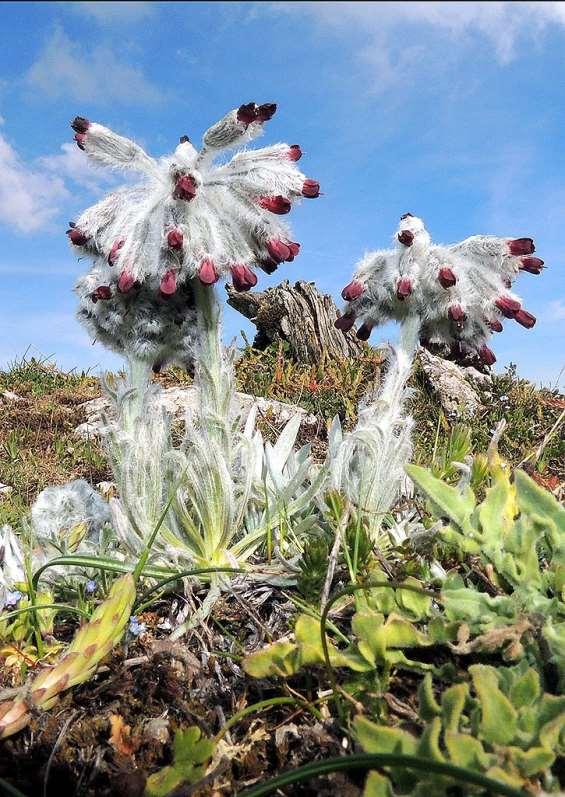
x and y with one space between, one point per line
113 13
556 310
68 70
30 197
71 163
386 33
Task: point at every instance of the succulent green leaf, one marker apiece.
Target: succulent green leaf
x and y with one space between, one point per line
447 501
466 751
533 500
429 707
279 658
377 785
452 705
498 716
375 738
428 746
414 604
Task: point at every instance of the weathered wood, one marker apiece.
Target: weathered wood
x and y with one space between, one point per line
300 315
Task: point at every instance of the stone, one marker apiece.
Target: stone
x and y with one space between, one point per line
454 385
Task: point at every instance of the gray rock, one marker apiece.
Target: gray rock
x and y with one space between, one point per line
178 400
454 385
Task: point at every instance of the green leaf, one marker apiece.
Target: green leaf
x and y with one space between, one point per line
452 705
429 707
496 513
377 785
191 755
531 761
429 741
447 501
498 716
533 500
375 738
466 751
417 606
279 658
526 690
163 782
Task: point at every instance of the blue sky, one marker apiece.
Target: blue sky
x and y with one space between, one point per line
452 111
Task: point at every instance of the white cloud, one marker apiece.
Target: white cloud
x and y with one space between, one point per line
115 12
30 197
68 70
556 310
72 164
391 33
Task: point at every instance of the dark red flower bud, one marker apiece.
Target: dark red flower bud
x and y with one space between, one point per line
533 265
168 284
101 292
126 281
487 355
278 250
403 288
311 189
507 306
77 237
364 331
495 325
185 188
174 239
456 313
521 246
80 139
207 273
243 278
266 111
184 140
344 322
80 124
294 248
507 282
525 319
406 237
275 204
294 152
352 291
113 256
406 216
446 277
269 266
246 114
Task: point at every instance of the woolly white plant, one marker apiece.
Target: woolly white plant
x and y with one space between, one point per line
367 464
449 296
190 217
12 567
460 292
158 248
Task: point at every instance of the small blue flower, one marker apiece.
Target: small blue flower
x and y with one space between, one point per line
91 586
12 598
135 627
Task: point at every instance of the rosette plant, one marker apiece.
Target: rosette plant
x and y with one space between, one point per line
157 248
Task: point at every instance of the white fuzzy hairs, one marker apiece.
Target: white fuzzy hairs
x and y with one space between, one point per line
190 218
460 292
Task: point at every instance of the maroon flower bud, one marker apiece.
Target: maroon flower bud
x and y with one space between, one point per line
311 189
344 322
487 355
352 291
294 152
533 265
168 284
266 111
294 248
406 237
278 250
525 319
77 237
185 188
507 306
406 216
246 114
101 292
126 281
364 331
446 277
275 204
521 246
174 239
113 256
207 273
403 288
243 278
80 124
268 266
507 282
80 139
495 325
456 313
